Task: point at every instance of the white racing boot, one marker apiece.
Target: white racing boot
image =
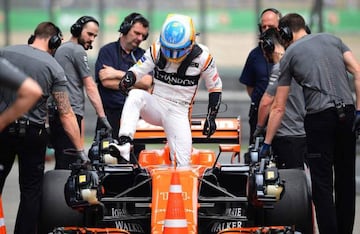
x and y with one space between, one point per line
122 151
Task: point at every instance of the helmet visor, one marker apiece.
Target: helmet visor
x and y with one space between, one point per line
175 54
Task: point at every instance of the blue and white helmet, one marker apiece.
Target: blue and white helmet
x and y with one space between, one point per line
177 37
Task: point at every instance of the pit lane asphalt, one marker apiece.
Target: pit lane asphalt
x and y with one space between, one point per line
237 104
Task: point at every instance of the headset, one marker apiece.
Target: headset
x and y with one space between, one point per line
266 41
286 33
55 40
127 24
77 27
267 44
278 13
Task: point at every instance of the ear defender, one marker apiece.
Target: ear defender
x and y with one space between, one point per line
55 40
267 45
286 33
31 39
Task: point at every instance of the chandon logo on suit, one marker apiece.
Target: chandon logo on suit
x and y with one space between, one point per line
173 79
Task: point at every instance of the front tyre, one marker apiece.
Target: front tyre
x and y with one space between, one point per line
54 210
295 207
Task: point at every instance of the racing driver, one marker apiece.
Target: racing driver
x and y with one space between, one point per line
178 64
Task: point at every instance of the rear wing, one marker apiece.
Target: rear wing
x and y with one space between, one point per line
227 131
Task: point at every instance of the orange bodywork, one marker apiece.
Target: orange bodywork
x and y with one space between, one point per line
161 183
158 163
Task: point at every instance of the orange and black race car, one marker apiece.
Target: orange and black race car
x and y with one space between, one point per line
221 192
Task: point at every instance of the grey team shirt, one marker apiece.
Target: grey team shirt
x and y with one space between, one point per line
10 76
43 68
74 60
316 62
292 123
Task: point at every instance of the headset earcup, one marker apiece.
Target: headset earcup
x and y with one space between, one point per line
54 42
75 30
125 27
31 39
286 34
268 45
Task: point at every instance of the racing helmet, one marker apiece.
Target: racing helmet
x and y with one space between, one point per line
177 37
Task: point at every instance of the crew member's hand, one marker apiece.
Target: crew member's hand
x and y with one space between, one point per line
356 124
84 159
104 122
265 150
209 126
259 132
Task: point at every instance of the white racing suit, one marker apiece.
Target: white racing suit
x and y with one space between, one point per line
170 103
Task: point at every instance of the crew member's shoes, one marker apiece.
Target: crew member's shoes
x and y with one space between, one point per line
122 151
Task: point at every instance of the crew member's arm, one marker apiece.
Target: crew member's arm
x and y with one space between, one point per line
95 99
266 101
353 67
110 78
93 95
27 95
263 114
68 119
268 97
264 109
28 92
277 112
249 90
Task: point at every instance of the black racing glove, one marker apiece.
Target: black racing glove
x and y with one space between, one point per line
265 150
84 159
356 124
127 82
105 123
259 132
213 108
209 126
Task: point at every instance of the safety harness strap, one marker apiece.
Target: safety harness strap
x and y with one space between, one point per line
195 52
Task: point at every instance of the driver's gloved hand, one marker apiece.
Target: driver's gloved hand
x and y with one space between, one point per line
213 109
209 126
265 150
126 82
